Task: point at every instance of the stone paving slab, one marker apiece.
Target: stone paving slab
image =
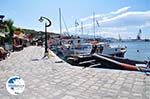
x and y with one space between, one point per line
45 79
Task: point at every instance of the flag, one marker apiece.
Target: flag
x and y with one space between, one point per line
81 25
97 23
76 23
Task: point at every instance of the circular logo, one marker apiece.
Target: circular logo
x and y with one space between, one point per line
15 85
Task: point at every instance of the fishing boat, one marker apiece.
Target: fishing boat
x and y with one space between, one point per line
106 61
76 46
106 49
87 48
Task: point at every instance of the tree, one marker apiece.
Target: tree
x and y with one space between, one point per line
9 24
19 30
10 28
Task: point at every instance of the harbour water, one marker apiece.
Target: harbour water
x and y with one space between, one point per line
137 50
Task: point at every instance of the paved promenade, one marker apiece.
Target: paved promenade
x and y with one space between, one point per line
48 79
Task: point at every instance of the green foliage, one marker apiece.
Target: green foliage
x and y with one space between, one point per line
19 29
10 28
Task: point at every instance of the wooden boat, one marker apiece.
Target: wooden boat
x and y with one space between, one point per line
129 64
114 63
105 61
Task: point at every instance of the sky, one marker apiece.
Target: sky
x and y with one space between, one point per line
113 17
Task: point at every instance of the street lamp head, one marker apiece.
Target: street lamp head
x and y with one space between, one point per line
41 19
2 16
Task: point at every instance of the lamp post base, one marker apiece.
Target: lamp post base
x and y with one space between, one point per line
45 55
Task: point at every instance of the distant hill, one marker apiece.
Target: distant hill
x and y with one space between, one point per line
35 33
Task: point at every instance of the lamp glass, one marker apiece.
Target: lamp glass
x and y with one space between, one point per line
41 19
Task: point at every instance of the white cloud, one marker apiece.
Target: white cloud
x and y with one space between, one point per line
122 10
91 17
99 16
121 21
127 19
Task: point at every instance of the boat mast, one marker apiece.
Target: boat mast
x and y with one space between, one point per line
82 28
67 32
60 21
76 24
120 39
94 25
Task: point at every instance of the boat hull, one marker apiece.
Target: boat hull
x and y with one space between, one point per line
119 54
110 62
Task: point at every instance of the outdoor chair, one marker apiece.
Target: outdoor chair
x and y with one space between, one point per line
3 53
18 48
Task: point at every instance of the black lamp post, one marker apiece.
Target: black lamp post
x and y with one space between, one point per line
46 25
1 18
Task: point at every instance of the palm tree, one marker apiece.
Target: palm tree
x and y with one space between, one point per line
9 23
9 28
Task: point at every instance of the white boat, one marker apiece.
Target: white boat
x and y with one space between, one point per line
106 49
88 48
79 49
77 46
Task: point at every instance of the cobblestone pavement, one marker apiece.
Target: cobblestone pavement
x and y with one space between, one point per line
46 79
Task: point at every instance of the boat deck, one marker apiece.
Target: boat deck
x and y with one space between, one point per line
55 79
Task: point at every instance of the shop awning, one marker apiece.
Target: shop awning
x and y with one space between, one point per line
21 36
2 34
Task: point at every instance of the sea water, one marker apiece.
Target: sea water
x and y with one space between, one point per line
137 50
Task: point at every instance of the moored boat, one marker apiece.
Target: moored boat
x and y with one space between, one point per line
106 49
105 61
72 47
